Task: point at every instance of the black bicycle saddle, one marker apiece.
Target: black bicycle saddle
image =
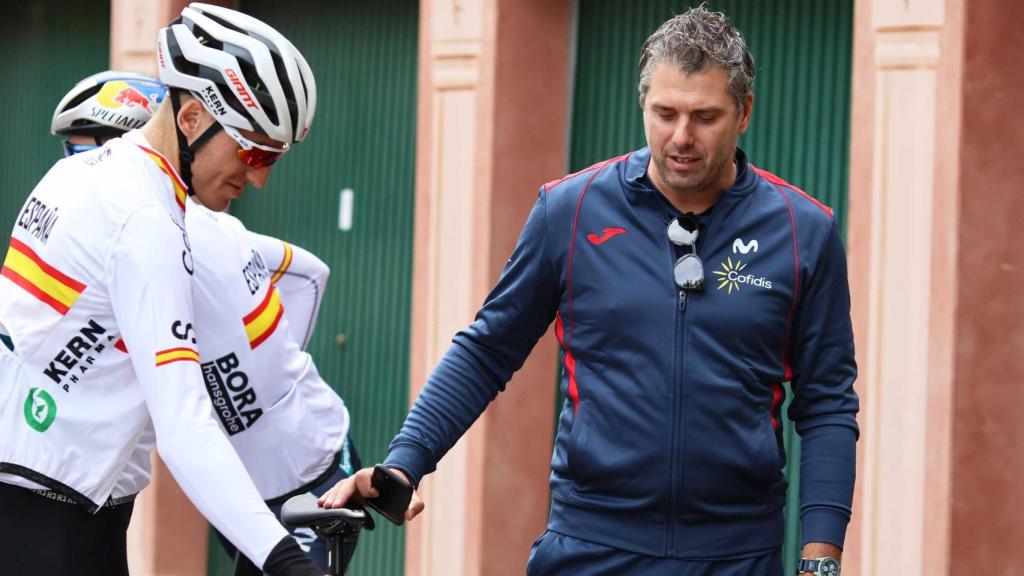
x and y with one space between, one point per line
302 510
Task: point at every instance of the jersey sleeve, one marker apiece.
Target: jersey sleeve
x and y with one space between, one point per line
151 295
300 278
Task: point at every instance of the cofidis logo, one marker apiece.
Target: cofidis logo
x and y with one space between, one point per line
732 276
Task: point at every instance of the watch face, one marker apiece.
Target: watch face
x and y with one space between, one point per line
828 567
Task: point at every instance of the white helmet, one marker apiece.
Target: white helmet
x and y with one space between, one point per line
248 75
107 104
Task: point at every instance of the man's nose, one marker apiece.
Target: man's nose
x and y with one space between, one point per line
682 136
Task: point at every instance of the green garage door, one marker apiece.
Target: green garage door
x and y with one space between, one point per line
800 126
47 47
361 148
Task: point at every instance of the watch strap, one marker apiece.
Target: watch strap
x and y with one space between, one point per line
807 565
816 566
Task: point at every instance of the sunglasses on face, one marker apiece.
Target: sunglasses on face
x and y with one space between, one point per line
689 270
253 154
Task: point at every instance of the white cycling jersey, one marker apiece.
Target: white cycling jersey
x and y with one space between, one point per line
95 292
284 421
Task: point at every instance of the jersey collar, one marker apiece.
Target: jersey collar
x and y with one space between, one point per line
136 138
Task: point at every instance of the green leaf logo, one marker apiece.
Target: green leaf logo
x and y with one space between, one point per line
40 409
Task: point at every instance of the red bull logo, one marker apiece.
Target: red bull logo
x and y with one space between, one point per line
118 93
126 104
133 97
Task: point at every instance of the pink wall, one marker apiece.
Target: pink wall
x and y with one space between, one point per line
858 235
935 163
988 506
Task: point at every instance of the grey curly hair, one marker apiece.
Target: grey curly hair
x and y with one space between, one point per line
695 41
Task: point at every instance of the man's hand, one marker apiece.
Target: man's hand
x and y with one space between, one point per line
815 550
359 486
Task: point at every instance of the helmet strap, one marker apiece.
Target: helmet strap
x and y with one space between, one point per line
186 153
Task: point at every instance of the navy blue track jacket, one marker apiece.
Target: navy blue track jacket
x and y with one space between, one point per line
670 441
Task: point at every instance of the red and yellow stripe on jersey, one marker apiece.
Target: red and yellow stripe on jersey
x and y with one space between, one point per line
26 269
261 322
285 263
179 186
176 355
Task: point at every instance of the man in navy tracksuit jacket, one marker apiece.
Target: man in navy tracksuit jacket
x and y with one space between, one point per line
669 455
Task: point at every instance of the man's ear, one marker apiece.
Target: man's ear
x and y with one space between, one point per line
193 119
746 112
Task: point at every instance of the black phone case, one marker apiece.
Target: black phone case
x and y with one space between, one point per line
395 494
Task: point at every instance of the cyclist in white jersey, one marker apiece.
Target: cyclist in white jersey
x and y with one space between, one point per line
96 300
256 300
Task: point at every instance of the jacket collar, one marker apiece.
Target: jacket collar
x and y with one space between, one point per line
635 174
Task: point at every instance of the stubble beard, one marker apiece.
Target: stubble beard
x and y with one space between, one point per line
688 185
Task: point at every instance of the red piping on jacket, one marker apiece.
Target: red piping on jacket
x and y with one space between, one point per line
570 360
787 368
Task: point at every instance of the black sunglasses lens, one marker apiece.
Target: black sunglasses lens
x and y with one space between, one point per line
682 231
689 272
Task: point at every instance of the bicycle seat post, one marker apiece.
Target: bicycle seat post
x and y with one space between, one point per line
334 526
335 554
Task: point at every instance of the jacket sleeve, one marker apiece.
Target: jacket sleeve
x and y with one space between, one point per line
300 278
151 291
825 404
483 357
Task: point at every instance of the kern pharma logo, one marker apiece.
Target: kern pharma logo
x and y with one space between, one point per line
731 277
40 409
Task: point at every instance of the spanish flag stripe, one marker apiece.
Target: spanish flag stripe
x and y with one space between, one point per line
176 355
285 263
259 309
26 269
180 349
270 329
57 274
261 322
31 289
181 358
179 186
31 271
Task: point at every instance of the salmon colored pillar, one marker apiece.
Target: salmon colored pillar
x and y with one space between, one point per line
936 282
492 128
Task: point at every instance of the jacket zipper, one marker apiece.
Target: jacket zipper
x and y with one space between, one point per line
676 395
677 402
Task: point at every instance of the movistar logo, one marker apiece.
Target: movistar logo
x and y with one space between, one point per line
731 277
40 409
738 246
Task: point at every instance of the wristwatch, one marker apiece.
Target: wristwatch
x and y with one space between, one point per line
819 567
